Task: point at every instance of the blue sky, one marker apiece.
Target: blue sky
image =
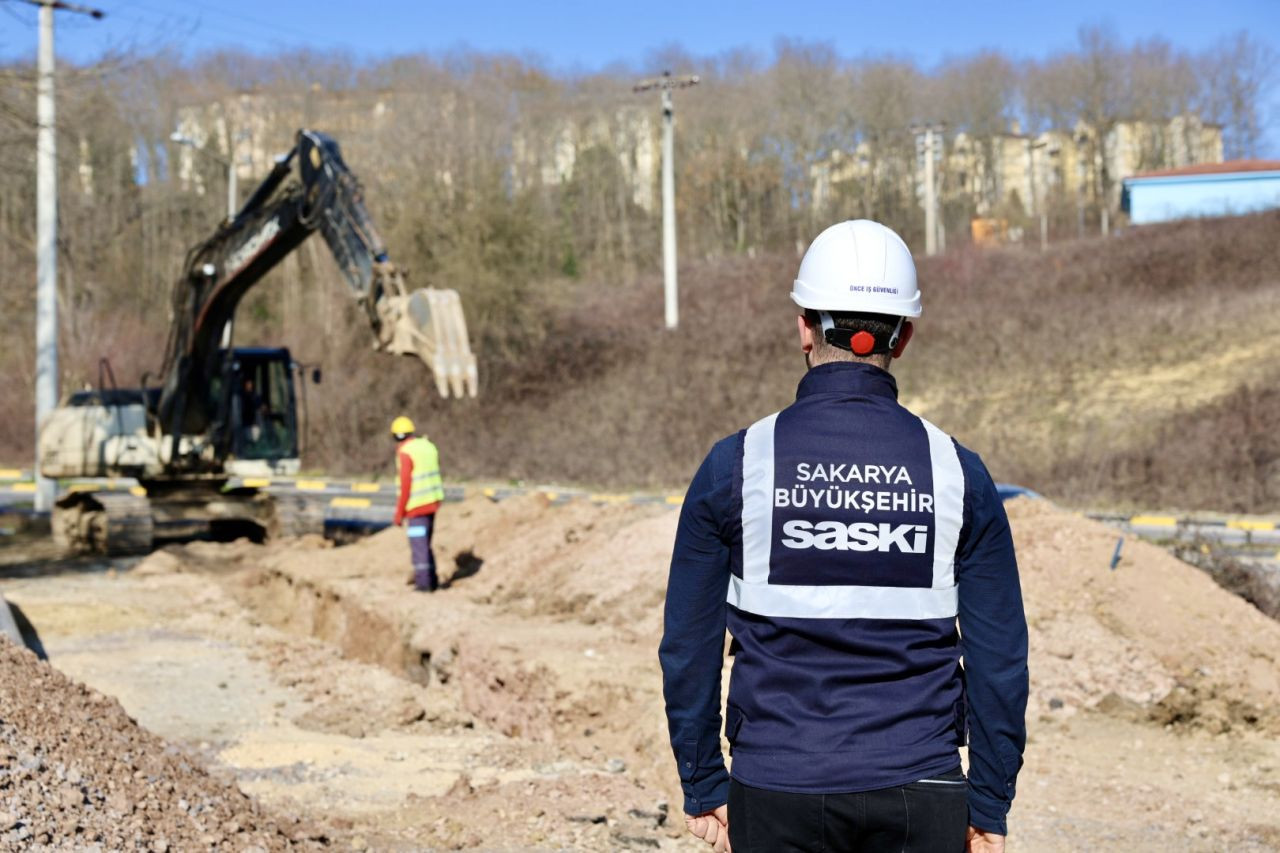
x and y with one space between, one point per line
575 35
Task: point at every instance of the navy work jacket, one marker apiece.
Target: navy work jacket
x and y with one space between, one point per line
840 541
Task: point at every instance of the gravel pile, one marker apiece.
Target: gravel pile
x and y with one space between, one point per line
77 773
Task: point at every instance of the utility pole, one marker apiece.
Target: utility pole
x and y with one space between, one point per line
1099 164
1037 204
930 197
666 83
233 200
47 236
931 223
1081 173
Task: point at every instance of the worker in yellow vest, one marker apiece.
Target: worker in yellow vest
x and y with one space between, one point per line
421 492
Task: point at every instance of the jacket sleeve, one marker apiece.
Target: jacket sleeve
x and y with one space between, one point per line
405 478
692 648
993 630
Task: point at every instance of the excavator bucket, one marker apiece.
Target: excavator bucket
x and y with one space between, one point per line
428 322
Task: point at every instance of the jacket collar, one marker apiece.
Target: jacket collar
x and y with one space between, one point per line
848 378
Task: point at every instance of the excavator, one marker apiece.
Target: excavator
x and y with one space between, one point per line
217 412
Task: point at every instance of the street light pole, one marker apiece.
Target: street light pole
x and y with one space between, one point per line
47 236
667 83
232 197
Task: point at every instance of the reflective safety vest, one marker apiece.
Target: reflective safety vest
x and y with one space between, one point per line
843 596
425 486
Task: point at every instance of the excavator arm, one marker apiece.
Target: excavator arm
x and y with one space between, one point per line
427 323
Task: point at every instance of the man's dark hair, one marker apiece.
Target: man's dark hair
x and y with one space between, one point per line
880 326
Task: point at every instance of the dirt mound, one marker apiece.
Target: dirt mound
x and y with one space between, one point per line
1153 636
591 564
78 773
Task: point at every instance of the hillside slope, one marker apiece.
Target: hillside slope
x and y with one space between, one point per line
1138 370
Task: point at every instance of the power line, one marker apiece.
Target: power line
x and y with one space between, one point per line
13 13
274 25
231 29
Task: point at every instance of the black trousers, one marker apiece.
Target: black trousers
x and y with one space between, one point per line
929 816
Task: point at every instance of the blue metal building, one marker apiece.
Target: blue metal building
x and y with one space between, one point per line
1212 189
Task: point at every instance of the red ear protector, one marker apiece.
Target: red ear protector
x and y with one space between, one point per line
861 343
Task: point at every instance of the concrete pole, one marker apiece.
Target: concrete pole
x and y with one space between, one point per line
231 189
930 197
228 329
1037 203
666 83
46 251
669 211
1031 176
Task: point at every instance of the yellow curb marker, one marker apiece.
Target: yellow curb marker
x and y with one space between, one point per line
310 485
1249 524
365 487
256 482
1153 521
351 503
24 487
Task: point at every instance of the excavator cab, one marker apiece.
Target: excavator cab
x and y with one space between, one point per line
256 399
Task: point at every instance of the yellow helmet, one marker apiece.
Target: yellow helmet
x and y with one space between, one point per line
401 426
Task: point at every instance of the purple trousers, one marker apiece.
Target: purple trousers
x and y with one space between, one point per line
424 564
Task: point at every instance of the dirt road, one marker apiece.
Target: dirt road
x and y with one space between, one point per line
520 707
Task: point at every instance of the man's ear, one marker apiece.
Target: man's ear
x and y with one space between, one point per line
904 338
806 334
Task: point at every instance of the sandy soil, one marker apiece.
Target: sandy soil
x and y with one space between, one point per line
520 708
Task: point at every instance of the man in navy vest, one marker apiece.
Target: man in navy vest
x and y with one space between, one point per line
840 541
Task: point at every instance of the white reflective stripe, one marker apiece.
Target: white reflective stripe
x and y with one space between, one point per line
753 592
757 500
948 504
842 602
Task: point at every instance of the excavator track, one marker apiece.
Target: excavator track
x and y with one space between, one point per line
295 516
111 523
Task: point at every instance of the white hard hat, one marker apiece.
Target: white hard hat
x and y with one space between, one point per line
861 266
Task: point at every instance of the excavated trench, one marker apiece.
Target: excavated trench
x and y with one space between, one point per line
303 608
487 679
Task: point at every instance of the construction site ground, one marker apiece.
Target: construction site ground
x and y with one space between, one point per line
520 706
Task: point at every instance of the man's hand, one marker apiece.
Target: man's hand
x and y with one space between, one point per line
979 841
713 828
398 520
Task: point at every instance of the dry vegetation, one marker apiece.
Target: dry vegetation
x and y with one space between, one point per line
1138 371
